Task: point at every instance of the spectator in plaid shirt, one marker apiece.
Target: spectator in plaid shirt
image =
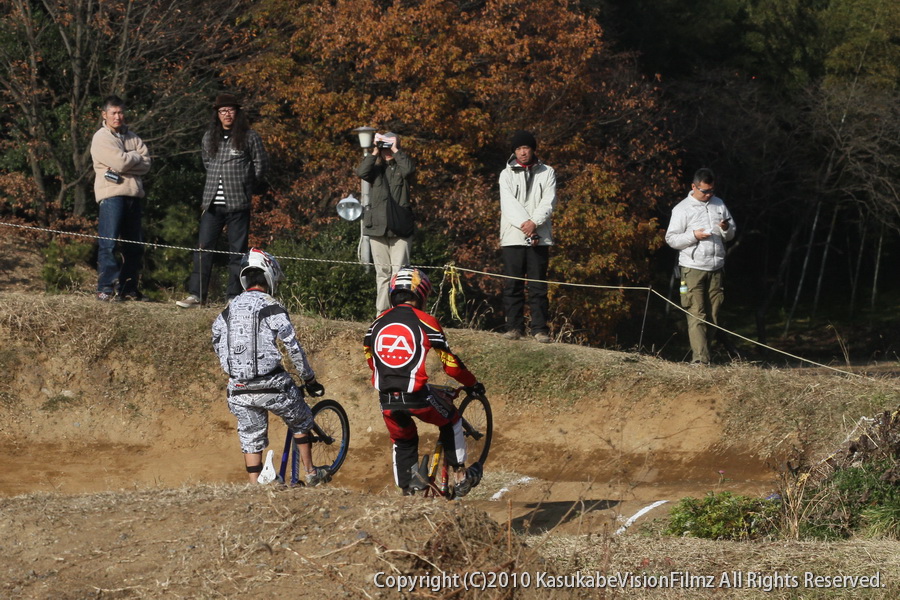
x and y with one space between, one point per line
236 162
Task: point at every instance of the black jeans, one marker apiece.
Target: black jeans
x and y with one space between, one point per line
213 221
530 262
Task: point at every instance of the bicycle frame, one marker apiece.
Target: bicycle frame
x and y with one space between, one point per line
438 484
433 467
317 435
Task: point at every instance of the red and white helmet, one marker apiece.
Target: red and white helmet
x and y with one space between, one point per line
259 259
413 280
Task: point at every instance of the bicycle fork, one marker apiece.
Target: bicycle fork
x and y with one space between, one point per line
439 481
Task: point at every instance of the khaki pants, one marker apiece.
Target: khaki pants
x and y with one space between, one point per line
388 255
703 299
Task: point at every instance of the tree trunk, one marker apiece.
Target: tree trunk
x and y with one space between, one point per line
815 306
877 267
855 272
809 246
782 271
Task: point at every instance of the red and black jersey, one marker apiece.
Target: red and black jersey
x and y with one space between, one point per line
397 344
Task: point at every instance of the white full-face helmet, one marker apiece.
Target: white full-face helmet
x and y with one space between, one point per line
265 262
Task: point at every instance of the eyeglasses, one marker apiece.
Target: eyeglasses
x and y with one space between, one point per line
707 192
227 111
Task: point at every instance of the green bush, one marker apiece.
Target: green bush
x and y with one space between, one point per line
862 498
172 218
723 516
60 259
326 280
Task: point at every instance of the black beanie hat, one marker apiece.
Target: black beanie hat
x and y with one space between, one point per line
523 138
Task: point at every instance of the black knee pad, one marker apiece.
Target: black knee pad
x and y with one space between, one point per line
255 469
303 440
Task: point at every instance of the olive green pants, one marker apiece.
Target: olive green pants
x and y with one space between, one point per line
703 299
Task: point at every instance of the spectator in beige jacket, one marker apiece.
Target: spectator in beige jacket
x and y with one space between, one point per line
120 159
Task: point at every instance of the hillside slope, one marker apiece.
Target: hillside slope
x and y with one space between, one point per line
123 405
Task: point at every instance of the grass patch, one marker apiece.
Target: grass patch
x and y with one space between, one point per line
724 516
60 401
857 499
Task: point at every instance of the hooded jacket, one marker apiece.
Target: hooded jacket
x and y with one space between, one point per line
525 196
124 153
691 214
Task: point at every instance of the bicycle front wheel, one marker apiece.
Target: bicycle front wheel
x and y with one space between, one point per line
478 427
330 435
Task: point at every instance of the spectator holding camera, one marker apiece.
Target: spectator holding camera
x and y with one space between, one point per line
390 228
120 159
236 163
527 199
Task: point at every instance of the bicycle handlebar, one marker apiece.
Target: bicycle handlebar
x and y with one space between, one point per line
454 392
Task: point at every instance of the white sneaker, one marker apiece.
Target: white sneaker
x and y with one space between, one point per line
191 301
320 476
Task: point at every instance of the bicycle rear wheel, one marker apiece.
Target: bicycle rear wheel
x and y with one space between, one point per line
478 427
330 435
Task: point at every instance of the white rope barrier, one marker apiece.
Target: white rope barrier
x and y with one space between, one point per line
450 270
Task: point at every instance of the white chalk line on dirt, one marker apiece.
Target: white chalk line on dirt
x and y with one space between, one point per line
518 481
638 515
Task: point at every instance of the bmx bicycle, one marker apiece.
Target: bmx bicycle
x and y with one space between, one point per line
329 439
432 477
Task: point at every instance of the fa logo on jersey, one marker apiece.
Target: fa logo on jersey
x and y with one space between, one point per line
395 345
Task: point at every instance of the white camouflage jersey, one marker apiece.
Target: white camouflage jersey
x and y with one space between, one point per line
244 334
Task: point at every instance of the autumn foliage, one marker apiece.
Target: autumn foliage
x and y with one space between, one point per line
454 80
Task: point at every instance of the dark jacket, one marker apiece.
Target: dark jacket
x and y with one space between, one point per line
395 174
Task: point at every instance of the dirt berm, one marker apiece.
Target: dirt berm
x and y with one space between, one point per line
123 476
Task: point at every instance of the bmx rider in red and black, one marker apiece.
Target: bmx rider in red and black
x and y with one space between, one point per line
396 346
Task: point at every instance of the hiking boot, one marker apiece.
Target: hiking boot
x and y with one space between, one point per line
191 301
542 338
512 334
320 476
106 297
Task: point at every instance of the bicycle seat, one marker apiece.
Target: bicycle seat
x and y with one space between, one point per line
418 481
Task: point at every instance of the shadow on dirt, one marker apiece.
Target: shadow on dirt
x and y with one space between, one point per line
544 516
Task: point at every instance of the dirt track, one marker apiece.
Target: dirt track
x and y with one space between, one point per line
109 424
118 411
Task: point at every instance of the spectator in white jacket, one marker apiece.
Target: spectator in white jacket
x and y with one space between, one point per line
527 199
699 228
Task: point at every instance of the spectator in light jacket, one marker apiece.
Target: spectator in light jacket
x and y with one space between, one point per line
699 228
527 200
120 159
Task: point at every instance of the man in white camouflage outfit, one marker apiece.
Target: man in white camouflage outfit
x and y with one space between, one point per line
244 337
